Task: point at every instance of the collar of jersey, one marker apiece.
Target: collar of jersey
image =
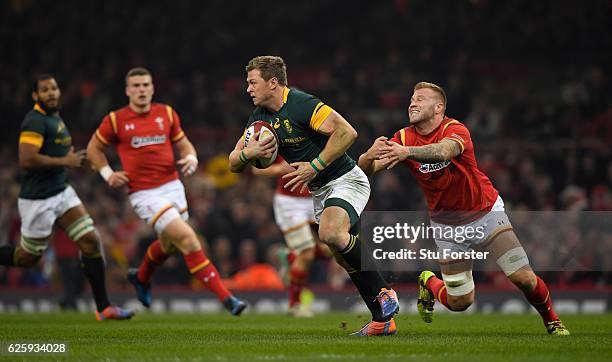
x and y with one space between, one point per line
39 109
286 94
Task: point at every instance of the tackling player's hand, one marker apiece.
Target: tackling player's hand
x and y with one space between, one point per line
375 151
392 153
118 179
75 159
260 149
300 178
188 164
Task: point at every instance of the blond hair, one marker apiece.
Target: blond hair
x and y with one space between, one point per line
436 88
270 67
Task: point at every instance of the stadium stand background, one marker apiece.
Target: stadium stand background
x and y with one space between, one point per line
530 79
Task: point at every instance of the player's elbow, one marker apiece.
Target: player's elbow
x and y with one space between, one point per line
351 134
25 162
446 155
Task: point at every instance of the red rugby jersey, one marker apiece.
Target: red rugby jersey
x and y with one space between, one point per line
456 190
280 184
144 143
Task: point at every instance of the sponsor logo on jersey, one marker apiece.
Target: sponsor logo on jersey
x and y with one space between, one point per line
138 142
130 126
277 123
292 141
432 167
65 141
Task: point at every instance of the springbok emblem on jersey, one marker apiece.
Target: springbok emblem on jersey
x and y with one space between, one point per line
288 126
160 123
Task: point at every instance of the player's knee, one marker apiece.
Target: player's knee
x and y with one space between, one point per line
459 289
186 241
26 260
525 280
331 236
460 303
307 255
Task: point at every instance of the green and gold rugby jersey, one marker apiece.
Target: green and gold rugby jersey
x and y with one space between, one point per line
51 135
296 125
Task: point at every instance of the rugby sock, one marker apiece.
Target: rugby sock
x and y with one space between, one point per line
438 289
369 283
540 298
7 255
154 257
296 283
368 295
201 267
291 257
94 271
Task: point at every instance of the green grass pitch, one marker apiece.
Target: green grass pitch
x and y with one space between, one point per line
201 337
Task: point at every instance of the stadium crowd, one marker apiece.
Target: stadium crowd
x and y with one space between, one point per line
540 115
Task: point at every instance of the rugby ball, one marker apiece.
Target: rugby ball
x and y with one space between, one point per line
265 130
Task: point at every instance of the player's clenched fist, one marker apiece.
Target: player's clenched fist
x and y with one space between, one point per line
118 179
189 164
75 159
375 151
260 149
392 154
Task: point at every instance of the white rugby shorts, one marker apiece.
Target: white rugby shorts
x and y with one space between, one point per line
39 216
485 227
159 206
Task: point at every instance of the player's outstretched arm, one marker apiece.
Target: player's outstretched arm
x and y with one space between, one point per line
188 161
241 156
97 158
369 161
30 157
435 152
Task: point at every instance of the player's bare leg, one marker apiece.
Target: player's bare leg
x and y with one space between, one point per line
506 249
455 291
78 225
379 297
182 236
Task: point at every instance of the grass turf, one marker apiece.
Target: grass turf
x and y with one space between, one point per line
182 337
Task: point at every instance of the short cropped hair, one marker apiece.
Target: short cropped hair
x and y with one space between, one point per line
39 79
135 72
436 88
270 66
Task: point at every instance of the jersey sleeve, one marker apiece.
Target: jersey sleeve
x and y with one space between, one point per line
311 112
32 132
107 131
457 132
176 132
399 137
